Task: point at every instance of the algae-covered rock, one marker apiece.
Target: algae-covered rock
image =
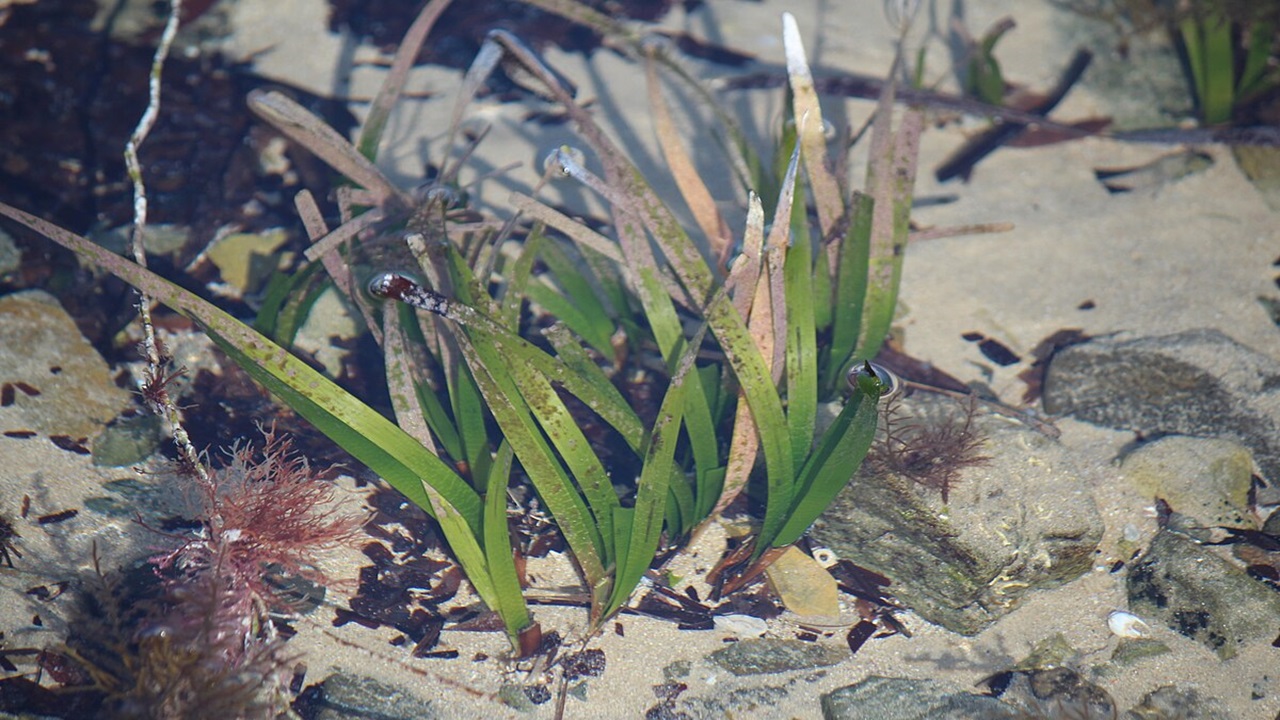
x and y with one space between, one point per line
1197 382
1022 521
1048 652
885 698
772 655
1182 703
1207 479
348 697
1262 166
1055 692
1128 652
127 440
1195 592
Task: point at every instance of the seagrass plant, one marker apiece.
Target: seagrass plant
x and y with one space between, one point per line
750 352
1229 62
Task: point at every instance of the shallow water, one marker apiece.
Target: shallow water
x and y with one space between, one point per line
1190 252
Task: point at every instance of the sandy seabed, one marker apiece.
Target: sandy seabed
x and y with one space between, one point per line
1195 253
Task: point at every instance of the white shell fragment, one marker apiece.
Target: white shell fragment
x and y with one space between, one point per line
1127 625
741 625
826 557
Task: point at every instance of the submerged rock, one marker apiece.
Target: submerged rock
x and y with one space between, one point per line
1055 692
1197 593
1140 87
885 698
343 696
1198 382
1128 652
1262 166
127 440
1025 520
1207 479
741 702
1184 704
804 587
772 655
55 382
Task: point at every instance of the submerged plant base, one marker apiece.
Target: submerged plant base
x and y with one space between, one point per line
489 396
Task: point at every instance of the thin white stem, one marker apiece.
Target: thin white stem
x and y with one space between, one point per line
163 404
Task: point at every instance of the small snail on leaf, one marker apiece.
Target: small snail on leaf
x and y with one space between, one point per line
874 380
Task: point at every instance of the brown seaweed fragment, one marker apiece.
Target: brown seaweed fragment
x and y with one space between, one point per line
928 451
1043 352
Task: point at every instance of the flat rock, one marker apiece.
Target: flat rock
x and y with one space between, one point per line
758 701
127 440
66 387
1197 382
805 587
1197 593
886 698
349 697
761 656
1174 702
1128 651
1207 479
1025 520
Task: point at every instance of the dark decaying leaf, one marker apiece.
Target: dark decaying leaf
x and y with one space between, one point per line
24 695
897 361
426 645
57 517
859 634
70 444
587 663
994 350
1269 542
687 615
402 588
703 50
463 27
962 161
1042 353
997 352
861 582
